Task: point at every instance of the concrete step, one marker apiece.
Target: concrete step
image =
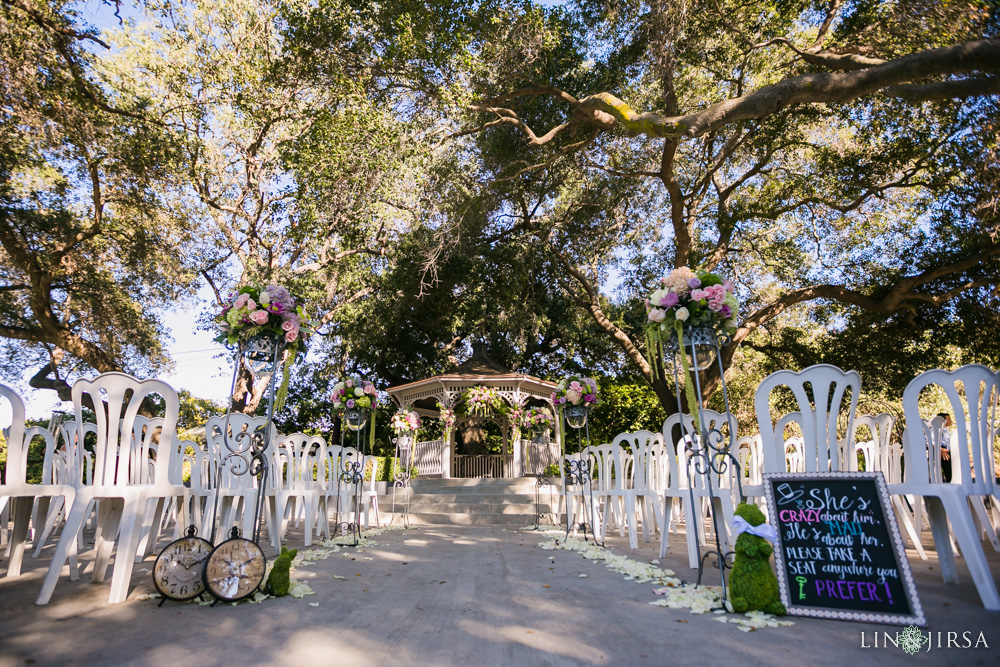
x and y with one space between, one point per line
461 508
472 502
474 519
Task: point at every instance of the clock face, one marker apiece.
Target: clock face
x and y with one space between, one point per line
235 569
179 569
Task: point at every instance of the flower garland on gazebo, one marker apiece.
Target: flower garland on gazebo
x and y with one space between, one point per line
482 402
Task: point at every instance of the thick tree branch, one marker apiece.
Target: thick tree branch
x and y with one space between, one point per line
815 88
947 90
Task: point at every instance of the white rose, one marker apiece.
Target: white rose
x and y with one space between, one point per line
657 315
358 391
265 298
682 314
657 295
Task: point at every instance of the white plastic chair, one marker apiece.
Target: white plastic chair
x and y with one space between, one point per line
642 473
295 460
695 498
118 398
973 392
818 413
608 485
369 496
16 488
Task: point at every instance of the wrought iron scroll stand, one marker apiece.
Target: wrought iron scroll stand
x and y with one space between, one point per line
708 458
352 472
247 452
541 481
401 476
578 473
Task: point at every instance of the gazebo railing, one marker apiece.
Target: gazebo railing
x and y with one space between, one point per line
483 465
428 457
536 457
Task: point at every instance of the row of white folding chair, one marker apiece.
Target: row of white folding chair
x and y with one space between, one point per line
304 474
16 491
972 392
122 478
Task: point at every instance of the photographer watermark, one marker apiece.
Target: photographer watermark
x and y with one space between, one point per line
913 640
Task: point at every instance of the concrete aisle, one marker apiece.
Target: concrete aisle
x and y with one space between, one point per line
446 595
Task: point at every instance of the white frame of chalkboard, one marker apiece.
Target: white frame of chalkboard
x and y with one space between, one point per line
906 576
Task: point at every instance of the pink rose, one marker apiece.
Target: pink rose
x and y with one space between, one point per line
251 304
728 285
259 317
575 385
241 300
657 315
291 336
349 383
698 294
288 325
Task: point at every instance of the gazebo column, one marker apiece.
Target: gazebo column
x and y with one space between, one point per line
446 454
518 469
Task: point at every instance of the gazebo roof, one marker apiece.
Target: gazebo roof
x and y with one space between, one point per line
478 369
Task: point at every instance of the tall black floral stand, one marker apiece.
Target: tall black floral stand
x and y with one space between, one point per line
246 452
352 472
402 462
578 473
708 451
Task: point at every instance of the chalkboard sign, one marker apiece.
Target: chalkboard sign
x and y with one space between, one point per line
839 554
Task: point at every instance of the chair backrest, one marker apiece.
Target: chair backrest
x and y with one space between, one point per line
241 426
751 461
973 393
303 454
674 465
78 461
640 444
17 452
331 466
118 398
818 410
603 463
876 450
145 431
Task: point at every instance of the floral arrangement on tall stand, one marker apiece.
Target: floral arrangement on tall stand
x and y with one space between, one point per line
406 420
257 319
573 398
690 315
267 327
535 421
354 397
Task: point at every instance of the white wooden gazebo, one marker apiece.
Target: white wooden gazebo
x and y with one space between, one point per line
519 458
